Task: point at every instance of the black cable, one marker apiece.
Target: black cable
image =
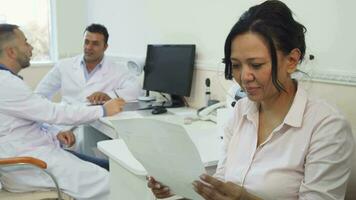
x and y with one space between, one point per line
164 96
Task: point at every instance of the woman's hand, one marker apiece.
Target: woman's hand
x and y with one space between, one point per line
159 190
211 188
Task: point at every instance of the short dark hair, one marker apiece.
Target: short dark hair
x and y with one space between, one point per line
274 21
98 28
6 34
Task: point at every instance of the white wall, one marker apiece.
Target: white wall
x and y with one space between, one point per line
71 20
133 24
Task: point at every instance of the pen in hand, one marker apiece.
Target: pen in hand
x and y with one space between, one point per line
117 96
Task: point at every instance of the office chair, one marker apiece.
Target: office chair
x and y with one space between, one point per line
31 162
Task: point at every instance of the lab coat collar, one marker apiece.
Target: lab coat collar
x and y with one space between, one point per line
100 73
3 67
79 73
102 65
82 61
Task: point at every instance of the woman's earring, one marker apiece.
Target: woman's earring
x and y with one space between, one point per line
291 70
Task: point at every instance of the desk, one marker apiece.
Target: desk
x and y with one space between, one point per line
105 126
127 175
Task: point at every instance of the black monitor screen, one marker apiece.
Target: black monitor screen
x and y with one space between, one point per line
169 69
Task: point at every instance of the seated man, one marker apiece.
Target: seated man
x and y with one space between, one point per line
89 78
22 111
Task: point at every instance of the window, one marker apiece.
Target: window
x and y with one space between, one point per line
33 17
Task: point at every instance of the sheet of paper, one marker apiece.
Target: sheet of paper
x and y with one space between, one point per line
166 152
122 115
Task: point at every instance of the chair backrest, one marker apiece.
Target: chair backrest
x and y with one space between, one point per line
38 164
351 192
36 195
345 101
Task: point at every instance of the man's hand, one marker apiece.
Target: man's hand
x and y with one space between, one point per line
66 137
98 98
114 106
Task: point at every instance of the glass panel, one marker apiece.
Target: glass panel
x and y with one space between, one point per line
33 17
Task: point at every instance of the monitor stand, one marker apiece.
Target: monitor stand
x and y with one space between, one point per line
176 101
147 97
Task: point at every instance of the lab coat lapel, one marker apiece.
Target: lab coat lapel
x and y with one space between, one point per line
99 75
78 73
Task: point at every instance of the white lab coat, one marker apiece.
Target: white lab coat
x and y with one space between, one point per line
67 76
21 111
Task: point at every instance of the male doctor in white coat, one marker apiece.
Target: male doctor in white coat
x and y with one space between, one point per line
21 111
89 78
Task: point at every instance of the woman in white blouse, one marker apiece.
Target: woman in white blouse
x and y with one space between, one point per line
280 143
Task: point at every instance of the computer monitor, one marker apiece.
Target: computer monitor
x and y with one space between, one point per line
169 69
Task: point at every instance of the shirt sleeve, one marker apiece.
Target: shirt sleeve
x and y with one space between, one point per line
328 162
228 132
50 84
52 129
19 101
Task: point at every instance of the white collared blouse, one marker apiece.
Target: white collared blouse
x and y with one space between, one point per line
308 156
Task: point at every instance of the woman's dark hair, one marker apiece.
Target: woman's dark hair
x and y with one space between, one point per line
98 28
274 21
